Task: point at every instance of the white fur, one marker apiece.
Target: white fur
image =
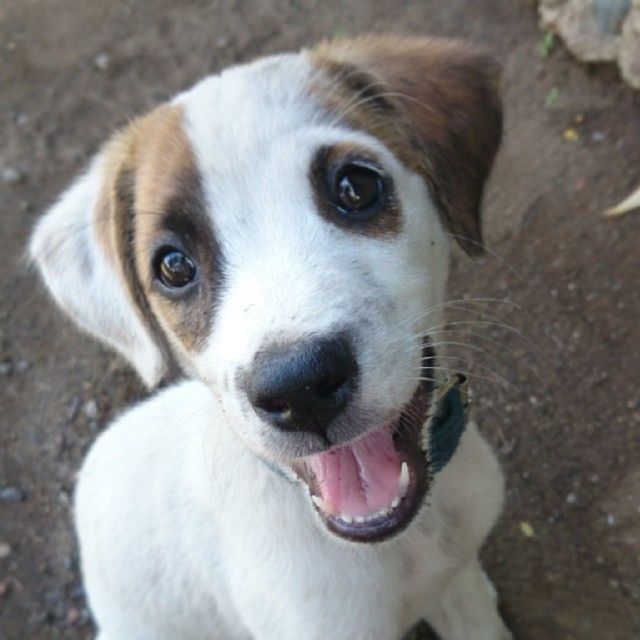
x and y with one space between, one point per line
184 532
254 154
83 280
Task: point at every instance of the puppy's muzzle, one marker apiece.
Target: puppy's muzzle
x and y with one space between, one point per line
303 386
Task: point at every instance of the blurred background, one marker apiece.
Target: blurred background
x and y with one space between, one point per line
555 340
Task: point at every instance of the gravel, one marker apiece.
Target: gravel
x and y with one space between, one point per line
9 495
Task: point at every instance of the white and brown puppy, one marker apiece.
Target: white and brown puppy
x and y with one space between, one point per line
279 236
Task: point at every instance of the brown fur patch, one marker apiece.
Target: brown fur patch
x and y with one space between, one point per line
433 102
152 197
388 219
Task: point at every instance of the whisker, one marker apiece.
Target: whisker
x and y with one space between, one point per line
461 302
487 323
533 370
443 328
472 363
498 257
472 375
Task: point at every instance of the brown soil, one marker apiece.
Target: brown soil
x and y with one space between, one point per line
567 433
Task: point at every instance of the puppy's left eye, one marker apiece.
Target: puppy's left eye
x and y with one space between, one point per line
174 268
357 189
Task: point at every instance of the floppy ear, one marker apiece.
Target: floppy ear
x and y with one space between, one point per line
74 247
436 103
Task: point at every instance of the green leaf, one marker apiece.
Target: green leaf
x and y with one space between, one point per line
546 44
551 98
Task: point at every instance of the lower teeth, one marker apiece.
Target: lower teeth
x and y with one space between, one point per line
374 516
385 511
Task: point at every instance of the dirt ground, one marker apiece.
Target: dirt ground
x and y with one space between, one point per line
566 554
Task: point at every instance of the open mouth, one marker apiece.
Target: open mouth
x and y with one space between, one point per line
371 488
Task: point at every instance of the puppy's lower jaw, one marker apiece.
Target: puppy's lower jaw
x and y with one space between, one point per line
371 488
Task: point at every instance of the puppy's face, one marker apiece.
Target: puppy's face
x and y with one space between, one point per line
281 232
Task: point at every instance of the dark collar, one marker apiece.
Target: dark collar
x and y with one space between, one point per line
448 422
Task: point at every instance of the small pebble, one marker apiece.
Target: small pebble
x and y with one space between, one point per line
572 498
611 519
5 550
11 495
22 365
73 409
90 409
11 175
73 615
571 135
102 61
6 368
527 529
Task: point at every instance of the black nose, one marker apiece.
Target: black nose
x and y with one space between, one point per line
303 386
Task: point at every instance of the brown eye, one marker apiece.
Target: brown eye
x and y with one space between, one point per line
357 189
174 268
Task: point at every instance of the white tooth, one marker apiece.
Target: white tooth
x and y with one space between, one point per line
346 518
360 519
404 479
395 502
320 503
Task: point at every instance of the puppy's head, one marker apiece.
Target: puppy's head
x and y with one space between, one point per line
281 232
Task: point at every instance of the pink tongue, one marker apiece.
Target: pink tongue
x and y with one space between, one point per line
360 478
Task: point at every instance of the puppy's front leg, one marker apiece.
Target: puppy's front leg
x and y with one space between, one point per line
468 608
327 598
301 618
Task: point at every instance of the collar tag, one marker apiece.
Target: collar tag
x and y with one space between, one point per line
449 421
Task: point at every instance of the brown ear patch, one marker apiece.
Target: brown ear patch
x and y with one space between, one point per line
153 197
433 102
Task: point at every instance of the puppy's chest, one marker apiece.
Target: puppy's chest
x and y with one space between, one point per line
301 548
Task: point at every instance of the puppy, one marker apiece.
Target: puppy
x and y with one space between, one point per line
277 238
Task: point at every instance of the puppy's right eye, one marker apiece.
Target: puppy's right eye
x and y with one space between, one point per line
174 268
